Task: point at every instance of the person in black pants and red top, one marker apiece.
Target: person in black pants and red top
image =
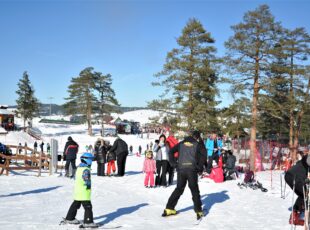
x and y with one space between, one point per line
296 178
120 148
70 151
190 162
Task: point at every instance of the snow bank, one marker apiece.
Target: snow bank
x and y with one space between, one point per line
143 116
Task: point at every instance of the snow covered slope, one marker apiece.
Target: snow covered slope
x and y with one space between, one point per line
30 202
143 116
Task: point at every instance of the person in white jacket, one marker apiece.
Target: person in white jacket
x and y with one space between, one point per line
162 161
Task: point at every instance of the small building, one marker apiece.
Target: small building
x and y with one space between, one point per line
6 118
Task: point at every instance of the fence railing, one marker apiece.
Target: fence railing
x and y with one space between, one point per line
24 161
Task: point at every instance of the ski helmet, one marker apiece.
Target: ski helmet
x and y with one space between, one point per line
87 158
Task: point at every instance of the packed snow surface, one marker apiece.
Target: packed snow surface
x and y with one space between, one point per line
31 202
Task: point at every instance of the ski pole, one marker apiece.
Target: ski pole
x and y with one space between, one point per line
281 184
305 204
62 164
308 204
292 216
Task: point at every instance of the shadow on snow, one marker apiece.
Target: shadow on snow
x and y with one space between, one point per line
208 200
41 190
119 212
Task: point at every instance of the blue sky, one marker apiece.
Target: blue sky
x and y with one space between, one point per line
55 40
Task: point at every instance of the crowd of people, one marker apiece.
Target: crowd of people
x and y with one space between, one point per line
191 158
103 152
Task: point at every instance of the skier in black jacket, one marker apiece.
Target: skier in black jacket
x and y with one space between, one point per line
189 164
230 165
70 151
296 178
120 148
100 156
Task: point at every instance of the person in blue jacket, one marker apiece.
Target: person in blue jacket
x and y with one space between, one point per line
213 145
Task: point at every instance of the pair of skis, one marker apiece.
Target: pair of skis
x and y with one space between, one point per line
253 185
197 222
82 226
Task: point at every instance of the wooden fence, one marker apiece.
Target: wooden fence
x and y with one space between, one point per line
24 161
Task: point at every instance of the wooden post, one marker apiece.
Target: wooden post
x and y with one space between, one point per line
7 166
40 163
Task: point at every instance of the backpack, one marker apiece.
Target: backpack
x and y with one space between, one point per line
248 177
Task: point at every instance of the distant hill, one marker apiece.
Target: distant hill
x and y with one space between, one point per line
59 109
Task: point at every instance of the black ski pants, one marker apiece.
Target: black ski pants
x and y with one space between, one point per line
158 173
121 163
72 162
171 174
185 176
208 164
100 169
88 214
299 184
163 177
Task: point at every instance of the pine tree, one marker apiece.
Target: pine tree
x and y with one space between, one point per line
189 77
106 100
237 117
295 50
81 96
274 104
249 51
27 103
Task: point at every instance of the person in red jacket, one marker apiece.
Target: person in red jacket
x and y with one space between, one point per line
216 173
172 141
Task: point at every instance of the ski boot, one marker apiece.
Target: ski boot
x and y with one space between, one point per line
73 174
65 221
67 173
169 212
89 225
200 215
295 220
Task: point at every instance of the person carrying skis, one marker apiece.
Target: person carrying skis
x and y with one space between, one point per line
190 162
296 178
82 194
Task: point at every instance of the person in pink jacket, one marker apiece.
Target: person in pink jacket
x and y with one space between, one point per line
217 173
149 168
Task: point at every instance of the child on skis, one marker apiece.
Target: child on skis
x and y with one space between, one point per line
82 194
149 168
